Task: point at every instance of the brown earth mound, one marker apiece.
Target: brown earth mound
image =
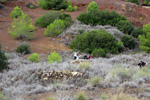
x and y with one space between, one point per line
41 44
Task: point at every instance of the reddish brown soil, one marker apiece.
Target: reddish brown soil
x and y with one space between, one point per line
42 44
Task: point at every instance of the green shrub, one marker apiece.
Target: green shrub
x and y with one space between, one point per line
146 28
31 6
17 12
120 46
75 8
95 80
134 1
50 98
125 27
81 96
99 53
55 28
34 57
143 72
100 17
128 41
54 57
50 17
62 10
22 28
3 60
52 4
94 39
23 48
92 6
104 97
138 31
70 8
85 65
147 2
145 42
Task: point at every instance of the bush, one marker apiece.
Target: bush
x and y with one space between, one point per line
17 12
147 2
54 57
128 41
134 1
138 31
82 96
50 17
75 8
145 42
23 48
55 28
125 27
70 8
85 65
120 46
146 28
52 4
95 80
22 28
34 57
31 6
50 98
92 6
100 17
3 60
99 53
143 72
94 39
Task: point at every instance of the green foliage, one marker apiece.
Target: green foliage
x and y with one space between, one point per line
134 1
31 6
82 96
104 97
138 31
50 98
128 41
143 72
95 39
99 53
120 46
75 8
17 12
95 80
55 28
100 17
34 57
146 28
50 17
147 2
23 48
54 57
22 28
85 65
3 60
81 31
52 4
62 10
125 27
70 8
145 42
92 6
141 18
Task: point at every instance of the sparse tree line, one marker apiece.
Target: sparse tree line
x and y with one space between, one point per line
96 42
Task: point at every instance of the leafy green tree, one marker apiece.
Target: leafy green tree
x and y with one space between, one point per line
22 28
34 57
134 1
92 6
146 28
3 60
54 57
99 53
55 28
17 12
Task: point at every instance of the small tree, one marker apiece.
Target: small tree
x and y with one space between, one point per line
54 57
22 28
147 2
146 28
16 12
23 48
55 28
3 60
92 6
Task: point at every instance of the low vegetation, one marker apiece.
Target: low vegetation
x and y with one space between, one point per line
34 57
81 96
99 53
134 1
23 48
95 80
3 60
54 57
147 2
85 65
92 7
